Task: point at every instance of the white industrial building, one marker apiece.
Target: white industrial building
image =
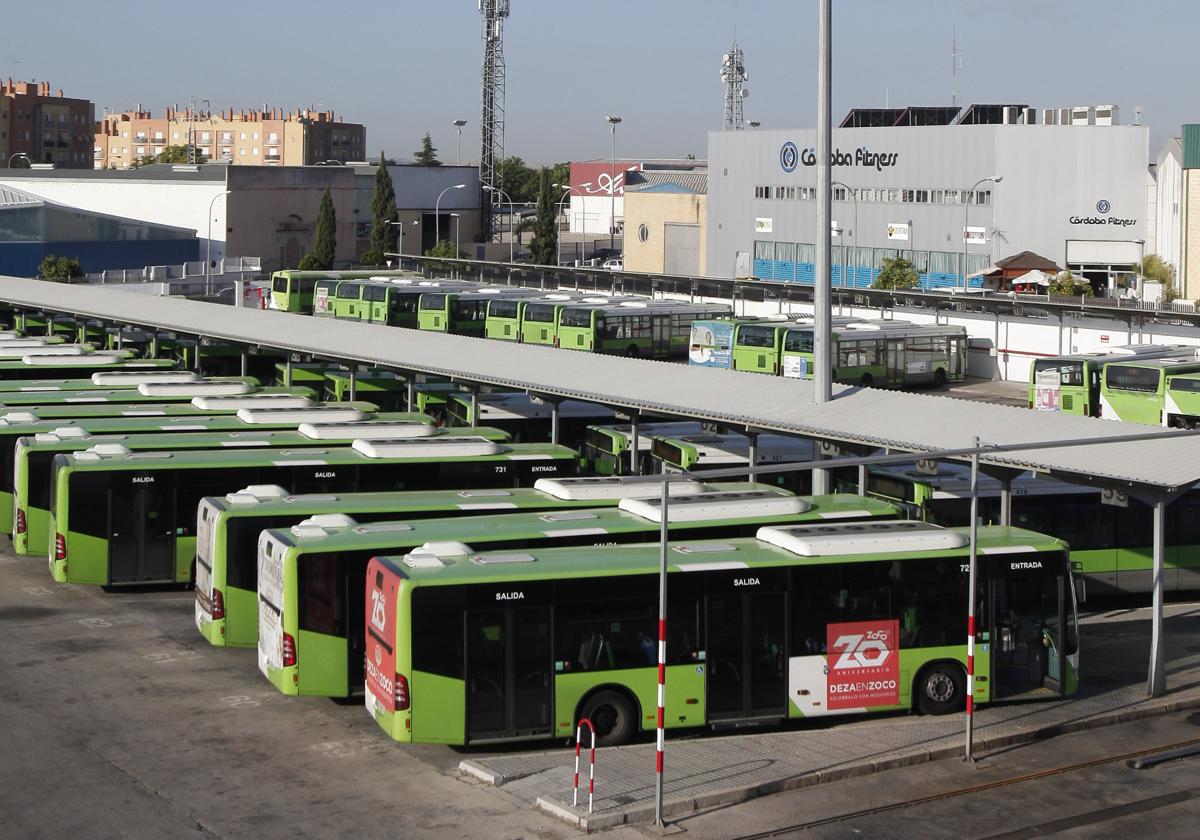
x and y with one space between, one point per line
1070 184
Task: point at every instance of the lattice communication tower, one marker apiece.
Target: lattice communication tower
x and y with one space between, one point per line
734 76
491 123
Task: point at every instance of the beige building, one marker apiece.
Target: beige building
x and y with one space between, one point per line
271 137
665 222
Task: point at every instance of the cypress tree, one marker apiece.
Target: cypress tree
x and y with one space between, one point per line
325 244
543 250
383 210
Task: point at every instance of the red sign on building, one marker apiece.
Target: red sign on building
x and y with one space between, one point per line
864 664
596 178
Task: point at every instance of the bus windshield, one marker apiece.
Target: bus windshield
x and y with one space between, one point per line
798 341
503 309
1181 384
1126 378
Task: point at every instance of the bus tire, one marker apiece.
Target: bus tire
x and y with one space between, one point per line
632 351
613 713
940 689
939 378
867 381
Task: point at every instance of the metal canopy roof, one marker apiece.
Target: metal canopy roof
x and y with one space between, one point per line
903 421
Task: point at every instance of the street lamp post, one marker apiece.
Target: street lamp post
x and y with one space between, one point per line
21 155
455 216
437 208
511 213
208 245
567 190
854 196
613 122
400 225
459 125
995 179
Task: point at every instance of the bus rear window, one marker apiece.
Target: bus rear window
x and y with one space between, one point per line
433 303
542 313
798 341
1127 378
502 309
1180 384
667 452
348 291
467 310
600 440
1069 373
576 318
322 599
755 336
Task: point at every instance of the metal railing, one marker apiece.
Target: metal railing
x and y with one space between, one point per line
751 289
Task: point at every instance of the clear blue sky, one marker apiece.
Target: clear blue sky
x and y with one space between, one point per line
405 68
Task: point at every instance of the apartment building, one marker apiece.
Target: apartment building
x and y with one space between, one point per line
258 137
39 127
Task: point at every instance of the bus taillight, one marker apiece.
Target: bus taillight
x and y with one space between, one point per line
289 651
218 605
401 693
60 547
20 521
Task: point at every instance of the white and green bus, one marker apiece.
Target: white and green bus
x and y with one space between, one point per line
882 354
33 456
1071 383
653 329
799 621
606 449
123 518
311 577
227 529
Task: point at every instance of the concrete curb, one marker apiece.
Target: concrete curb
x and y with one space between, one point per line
677 806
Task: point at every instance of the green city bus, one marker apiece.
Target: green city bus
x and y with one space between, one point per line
1182 409
799 621
527 420
98 381
131 518
655 329
464 312
33 457
309 374
531 320
146 392
196 406
758 347
1136 391
394 302
713 451
311 577
32 366
883 354
292 291
19 426
1071 383
227 529
605 449
1110 543
325 288
386 389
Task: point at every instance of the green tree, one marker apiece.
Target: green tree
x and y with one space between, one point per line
427 156
1065 284
325 240
544 248
444 248
59 269
383 211
174 154
897 273
1156 270
519 182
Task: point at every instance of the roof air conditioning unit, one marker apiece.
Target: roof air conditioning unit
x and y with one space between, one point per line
1049 116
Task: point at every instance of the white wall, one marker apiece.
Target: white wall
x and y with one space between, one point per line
1168 201
173 203
593 213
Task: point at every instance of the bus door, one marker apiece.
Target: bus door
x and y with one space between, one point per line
745 656
660 335
1027 608
510 680
141 539
895 362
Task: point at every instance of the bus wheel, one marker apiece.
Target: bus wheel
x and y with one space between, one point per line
939 378
632 351
613 716
941 689
867 381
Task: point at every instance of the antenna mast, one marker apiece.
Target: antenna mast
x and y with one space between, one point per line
954 67
491 123
733 74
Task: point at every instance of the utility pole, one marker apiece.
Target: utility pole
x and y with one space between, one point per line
491 123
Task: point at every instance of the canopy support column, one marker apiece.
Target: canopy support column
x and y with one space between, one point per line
635 461
1156 683
353 383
